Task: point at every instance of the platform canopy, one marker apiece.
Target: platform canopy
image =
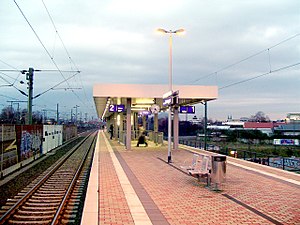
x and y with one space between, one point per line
143 96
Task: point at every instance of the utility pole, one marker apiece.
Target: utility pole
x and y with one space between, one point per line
18 109
72 115
76 113
29 78
205 125
44 115
57 113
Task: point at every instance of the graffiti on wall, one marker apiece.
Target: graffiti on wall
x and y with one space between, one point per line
8 146
31 143
29 140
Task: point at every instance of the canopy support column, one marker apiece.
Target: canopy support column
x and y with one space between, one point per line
128 124
175 128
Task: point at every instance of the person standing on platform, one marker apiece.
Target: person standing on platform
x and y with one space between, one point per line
111 131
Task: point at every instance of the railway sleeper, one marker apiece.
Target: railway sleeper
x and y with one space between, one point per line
45 200
80 184
45 190
28 216
21 194
29 222
72 207
49 208
65 174
66 221
62 176
6 207
12 201
42 204
71 211
70 216
79 192
2 212
26 189
57 184
49 194
37 213
65 179
75 198
73 204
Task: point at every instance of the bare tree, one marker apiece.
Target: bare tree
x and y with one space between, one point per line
260 117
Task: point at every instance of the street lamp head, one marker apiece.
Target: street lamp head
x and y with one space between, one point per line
160 30
180 31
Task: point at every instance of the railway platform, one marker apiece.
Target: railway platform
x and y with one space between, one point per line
139 187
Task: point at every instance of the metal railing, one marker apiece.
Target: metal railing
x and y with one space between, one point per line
285 163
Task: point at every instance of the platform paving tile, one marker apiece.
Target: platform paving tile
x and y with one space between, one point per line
112 202
183 200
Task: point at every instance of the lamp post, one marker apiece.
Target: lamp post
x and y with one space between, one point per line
170 32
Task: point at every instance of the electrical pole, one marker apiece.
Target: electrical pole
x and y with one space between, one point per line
72 115
57 113
205 125
29 77
44 115
76 113
18 110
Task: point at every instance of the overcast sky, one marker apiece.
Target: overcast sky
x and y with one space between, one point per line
114 41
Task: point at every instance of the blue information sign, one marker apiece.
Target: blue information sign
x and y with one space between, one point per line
187 109
116 108
167 101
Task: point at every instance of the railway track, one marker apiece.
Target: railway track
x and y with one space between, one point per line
55 197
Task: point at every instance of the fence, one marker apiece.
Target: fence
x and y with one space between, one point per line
286 163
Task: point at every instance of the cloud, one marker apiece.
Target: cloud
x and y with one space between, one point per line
113 41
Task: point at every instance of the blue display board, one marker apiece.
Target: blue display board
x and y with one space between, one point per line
167 101
116 108
187 109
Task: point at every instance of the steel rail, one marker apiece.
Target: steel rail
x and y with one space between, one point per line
70 188
15 207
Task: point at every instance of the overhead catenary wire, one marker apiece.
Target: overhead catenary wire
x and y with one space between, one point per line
37 36
15 79
247 58
261 75
48 53
57 33
6 79
9 97
66 50
52 88
11 84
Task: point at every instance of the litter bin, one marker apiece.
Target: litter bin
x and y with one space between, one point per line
160 139
218 169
